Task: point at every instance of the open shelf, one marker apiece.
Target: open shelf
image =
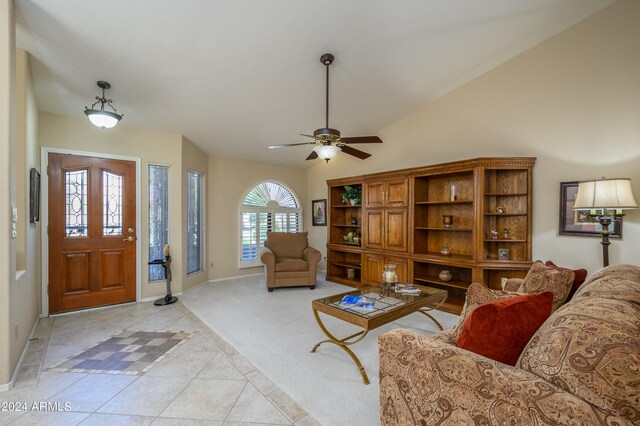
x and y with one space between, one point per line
347 206
436 280
505 194
505 214
499 240
346 226
438 203
445 229
348 265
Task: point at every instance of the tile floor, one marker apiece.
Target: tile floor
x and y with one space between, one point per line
201 381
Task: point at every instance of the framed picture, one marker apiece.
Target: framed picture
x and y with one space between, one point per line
34 196
576 222
319 209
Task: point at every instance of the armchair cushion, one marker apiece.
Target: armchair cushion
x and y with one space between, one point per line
287 244
501 329
290 264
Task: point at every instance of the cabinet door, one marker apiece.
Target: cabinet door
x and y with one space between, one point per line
401 268
397 193
396 224
372 269
374 223
374 194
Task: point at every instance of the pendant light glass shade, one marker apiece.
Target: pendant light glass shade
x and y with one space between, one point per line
327 152
104 119
100 117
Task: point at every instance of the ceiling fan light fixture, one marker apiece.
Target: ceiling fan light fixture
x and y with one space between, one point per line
100 117
327 152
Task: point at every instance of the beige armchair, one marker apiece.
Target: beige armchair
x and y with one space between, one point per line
289 261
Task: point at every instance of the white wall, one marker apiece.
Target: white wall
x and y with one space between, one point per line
573 101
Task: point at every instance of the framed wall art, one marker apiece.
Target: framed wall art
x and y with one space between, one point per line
576 222
319 209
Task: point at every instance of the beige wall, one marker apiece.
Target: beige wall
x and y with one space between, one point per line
194 160
25 294
229 181
573 101
7 185
77 133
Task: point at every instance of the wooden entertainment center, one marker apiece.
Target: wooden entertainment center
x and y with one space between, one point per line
401 221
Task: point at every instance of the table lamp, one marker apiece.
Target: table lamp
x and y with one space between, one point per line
605 199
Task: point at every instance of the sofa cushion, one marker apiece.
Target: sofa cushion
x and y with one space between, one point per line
591 346
578 279
287 244
477 294
542 278
501 329
291 264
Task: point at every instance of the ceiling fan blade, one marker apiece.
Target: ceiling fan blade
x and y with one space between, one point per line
308 136
362 139
291 144
355 152
312 156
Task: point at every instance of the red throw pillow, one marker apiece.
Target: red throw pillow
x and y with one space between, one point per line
500 330
580 276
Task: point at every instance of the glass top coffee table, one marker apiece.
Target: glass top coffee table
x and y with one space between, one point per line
389 307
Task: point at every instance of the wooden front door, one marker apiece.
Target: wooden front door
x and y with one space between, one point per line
92 235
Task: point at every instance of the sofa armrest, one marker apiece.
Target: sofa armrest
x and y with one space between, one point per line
513 284
311 255
425 381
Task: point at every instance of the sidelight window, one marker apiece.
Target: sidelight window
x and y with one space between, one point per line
158 217
194 222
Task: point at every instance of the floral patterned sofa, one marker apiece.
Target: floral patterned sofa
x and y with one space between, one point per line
582 367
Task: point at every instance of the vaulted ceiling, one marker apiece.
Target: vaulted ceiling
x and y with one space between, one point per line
236 76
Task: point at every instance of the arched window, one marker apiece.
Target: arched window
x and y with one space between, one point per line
268 206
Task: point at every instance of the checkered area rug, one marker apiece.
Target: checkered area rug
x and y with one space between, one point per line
130 352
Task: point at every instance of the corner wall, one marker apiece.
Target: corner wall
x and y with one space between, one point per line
194 160
26 293
229 181
573 101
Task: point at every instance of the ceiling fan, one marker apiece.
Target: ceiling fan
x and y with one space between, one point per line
328 141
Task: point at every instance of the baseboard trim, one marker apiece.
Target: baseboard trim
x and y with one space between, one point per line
153 298
14 377
236 277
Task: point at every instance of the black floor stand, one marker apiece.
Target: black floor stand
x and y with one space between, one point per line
166 264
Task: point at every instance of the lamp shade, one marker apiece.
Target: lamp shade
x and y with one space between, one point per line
104 119
605 194
327 152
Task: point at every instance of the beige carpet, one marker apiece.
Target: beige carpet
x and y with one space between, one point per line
275 331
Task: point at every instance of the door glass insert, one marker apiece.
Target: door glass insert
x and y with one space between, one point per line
112 203
76 187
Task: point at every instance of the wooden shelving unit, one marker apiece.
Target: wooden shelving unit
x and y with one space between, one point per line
400 221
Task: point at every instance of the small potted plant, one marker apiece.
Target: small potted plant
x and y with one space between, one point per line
352 195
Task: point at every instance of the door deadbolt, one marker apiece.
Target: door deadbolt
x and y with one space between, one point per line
131 230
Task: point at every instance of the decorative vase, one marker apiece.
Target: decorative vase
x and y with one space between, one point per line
447 219
353 201
354 220
445 251
445 275
505 234
351 273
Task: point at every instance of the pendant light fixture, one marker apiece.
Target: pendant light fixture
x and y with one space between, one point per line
100 117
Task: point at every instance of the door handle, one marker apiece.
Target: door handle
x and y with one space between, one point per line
129 238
